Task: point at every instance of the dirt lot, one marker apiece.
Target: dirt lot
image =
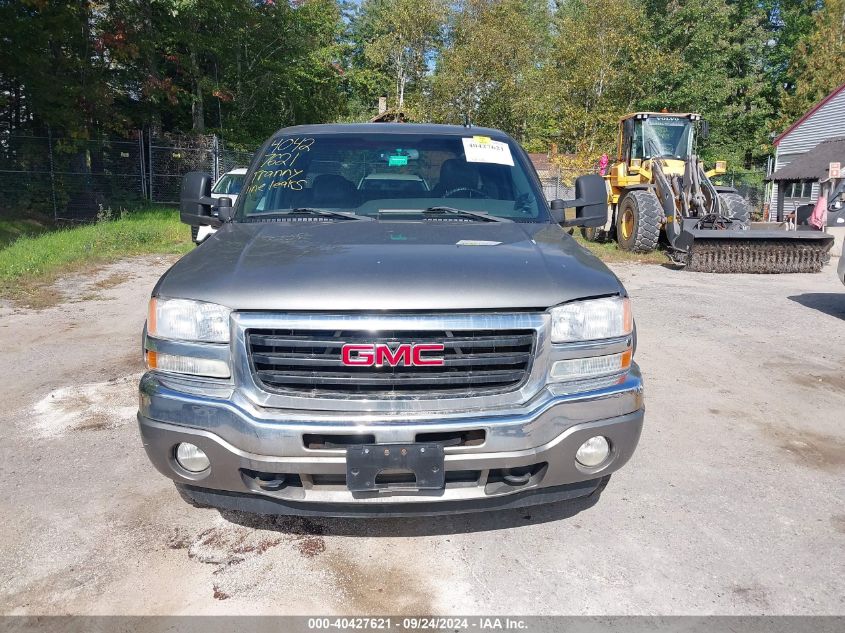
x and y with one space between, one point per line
733 504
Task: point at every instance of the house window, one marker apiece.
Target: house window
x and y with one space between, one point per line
798 190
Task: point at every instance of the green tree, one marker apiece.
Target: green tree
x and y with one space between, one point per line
817 63
713 63
788 22
602 61
55 67
491 75
394 42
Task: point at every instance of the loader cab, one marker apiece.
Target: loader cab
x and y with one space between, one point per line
648 135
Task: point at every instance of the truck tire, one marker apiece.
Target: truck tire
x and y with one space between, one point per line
736 207
638 219
194 232
593 234
602 485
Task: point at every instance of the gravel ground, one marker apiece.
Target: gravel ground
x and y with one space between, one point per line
733 503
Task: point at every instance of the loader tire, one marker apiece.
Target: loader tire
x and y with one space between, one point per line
638 221
736 208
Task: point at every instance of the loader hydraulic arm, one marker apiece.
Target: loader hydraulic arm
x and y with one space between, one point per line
663 189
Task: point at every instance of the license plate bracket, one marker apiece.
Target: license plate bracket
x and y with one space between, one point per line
425 460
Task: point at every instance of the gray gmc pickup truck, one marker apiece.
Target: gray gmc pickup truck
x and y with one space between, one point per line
390 321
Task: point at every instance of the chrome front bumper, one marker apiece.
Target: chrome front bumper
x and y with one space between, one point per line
241 437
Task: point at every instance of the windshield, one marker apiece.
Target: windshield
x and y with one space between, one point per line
372 174
229 184
662 137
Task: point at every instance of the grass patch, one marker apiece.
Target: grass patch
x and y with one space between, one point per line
30 264
611 253
12 230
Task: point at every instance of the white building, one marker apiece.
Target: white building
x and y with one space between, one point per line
825 121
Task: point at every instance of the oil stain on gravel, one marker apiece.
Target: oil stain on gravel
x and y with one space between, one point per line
251 554
808 448
238 550
375 586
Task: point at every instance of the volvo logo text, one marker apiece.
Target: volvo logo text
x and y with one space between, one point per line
378 354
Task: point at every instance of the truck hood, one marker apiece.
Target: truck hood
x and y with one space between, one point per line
388 265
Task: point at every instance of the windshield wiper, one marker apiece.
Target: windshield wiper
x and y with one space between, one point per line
343 215
442 210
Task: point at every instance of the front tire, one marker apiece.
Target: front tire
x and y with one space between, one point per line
194 232
638 219
735 207
593 234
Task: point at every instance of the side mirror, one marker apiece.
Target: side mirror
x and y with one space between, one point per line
704 129
590 203
225 212
195 200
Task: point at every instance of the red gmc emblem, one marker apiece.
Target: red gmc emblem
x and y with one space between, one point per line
379 354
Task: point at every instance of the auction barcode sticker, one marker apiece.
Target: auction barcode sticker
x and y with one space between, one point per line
483 149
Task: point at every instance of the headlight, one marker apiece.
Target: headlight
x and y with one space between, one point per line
592 319
186 320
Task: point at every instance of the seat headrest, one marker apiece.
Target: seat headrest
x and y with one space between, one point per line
332 190
456 172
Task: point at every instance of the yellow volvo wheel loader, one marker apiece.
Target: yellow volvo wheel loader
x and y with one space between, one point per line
658 184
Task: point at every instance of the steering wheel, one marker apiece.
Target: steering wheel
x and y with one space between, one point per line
473 193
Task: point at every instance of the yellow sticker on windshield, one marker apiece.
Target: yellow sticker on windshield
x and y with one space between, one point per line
481 139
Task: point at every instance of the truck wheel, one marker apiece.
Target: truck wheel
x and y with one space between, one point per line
593 234
638 221
194 232
735 207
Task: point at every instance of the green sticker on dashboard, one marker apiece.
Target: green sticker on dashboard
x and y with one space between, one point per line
397 161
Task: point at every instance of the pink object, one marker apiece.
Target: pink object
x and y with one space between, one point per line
818 218
603 161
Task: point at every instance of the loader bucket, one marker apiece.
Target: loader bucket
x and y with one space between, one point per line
714 251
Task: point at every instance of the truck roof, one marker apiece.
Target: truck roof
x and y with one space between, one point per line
680 115
393 128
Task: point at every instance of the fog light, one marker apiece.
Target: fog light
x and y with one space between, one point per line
593 452
191 458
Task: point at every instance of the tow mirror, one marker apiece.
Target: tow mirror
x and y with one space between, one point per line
590 203
195 200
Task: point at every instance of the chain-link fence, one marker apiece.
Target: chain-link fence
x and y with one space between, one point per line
71 179
559 183
68 178
172 157
752 186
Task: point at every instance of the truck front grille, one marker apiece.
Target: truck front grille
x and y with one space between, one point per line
309 362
